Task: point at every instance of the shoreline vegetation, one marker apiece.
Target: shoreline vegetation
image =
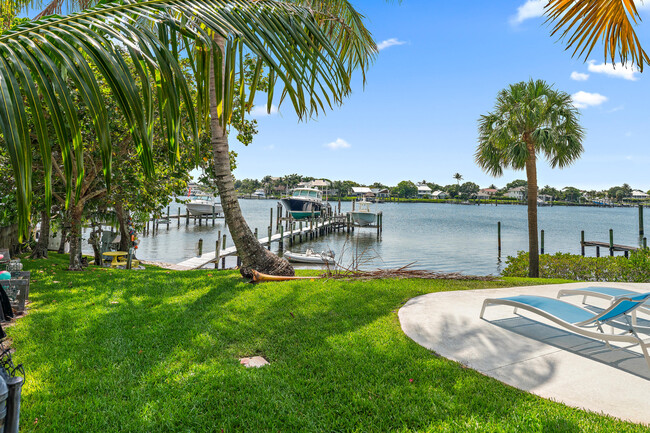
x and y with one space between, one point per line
158 349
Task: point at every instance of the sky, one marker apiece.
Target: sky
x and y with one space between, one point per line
440 66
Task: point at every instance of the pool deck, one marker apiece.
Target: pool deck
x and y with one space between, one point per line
530 353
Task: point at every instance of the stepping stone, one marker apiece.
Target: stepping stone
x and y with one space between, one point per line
255 361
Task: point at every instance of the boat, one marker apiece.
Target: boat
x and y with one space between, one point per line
363 216
200 207
304 203
311 257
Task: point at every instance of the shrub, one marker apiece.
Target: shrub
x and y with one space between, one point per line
573 267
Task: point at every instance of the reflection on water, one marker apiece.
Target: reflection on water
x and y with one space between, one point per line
440 237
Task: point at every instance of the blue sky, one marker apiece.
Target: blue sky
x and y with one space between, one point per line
417 116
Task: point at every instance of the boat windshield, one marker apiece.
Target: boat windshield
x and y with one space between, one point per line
313 193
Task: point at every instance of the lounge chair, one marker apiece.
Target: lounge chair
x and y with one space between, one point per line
608 293
582 321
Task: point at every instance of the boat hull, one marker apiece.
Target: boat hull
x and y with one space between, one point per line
203 208
318 259
301 209
364 218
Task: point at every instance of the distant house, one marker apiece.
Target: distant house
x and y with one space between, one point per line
639 194
486 193
423 190
439 194
545 198
380 192
360 191
519 193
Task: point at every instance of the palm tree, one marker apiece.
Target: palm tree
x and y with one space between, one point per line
529 119
309 53
584 22
458 177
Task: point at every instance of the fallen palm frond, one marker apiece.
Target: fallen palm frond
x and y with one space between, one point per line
403 273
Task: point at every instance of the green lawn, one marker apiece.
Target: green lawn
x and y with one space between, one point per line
156 351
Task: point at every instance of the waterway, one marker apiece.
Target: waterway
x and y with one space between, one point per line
432 236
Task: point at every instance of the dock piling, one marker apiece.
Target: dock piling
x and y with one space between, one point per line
223 259
270 233
179 218
542 241
611 242
582 242
641 220
217 251
200 247
499 235
168 221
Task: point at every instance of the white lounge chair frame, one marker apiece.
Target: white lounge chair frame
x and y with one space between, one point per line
582 328
587 292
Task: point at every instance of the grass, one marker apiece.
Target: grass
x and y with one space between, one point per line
156 350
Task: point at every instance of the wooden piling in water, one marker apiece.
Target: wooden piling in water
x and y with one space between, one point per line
645 243
640 220
223 259
217 251
281 243
270 233
499 235
270 225
179 218
200 247
168 221
542 241
611 242
582 242
214 214
187 217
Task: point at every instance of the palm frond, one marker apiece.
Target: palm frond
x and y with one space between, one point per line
586 22
64 52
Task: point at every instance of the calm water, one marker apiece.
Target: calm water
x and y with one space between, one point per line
441 237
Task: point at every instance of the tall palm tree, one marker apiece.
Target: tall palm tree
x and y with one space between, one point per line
584 22
458 177
529 119
309 53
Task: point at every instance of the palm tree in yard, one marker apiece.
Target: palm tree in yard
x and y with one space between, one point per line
530 119
458 177
308 50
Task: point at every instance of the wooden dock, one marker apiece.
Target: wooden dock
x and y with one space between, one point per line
296 232
611 246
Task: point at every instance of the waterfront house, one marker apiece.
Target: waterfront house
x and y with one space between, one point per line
544 198
439 195
639 194
380 192
486 193
423 190
360 191
519 193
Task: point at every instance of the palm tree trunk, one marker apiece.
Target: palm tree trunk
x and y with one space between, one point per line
533 249
125 238
40 251
75 238
253 255
64 232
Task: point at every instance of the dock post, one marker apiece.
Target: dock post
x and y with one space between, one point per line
270 224
148 227
499 235
597 251
354 202
179 218
542 241
200 220
270 233
641 220
582 242
300 231
217 252
200 247
339 204
311 227
187 217
645 243
281 244
223 247
256 233
611 242
214 214
381 228
168 218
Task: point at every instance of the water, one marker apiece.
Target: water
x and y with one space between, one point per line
441 237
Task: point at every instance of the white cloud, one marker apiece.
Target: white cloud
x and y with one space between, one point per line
585 99
530 9
338 144
260 111
616 70
579 76
389 43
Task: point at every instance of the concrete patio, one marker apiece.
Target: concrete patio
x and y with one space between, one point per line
532 354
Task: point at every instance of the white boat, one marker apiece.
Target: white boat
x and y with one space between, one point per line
363 216
203 207
311 257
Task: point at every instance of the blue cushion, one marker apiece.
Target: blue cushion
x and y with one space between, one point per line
562 310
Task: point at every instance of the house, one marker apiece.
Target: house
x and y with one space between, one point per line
519 193
545 198
423 190
380 192
486 193
360 191
439 195
639 194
